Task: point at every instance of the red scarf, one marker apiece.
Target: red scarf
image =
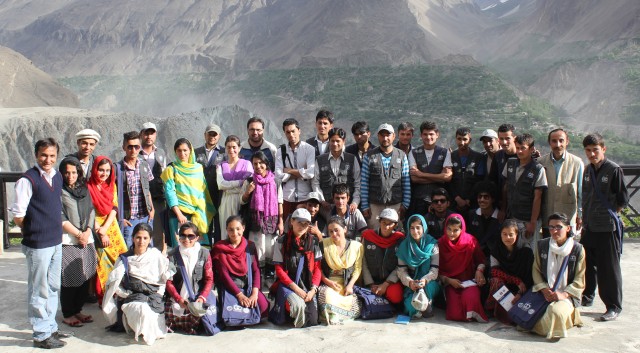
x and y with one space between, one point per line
456 258
102 197
379 240
234 259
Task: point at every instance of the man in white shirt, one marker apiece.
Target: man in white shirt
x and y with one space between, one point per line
324 123
295 167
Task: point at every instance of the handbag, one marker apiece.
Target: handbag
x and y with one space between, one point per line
419 300
530 308
373 307
278 314
210 318
234 314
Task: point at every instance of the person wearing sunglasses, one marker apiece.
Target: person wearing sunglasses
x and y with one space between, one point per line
132 177
482 222
438 212
199 270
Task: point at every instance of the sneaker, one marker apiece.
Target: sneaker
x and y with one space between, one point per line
63 334
50 343
586 302
610 315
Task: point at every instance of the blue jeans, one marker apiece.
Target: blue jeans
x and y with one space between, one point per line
43 287
127 232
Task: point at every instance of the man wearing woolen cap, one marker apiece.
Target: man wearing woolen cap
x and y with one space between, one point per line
385 181
86 140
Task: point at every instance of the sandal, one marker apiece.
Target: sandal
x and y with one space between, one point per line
85 319
73 323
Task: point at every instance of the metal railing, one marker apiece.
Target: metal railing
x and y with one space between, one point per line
631 173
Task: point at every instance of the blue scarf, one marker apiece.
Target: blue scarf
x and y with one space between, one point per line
417 254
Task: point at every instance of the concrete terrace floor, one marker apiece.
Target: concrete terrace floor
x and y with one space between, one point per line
435 334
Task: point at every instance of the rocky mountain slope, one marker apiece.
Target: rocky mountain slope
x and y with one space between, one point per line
20 128
85 37
22 84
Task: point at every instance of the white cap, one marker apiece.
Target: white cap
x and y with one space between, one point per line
213 127
301 214
390 214
489 133
315 196
386 127
88 134
149 125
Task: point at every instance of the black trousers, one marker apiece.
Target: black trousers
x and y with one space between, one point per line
603 268
72 299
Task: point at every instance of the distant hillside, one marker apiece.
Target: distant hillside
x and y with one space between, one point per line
115 37
24 85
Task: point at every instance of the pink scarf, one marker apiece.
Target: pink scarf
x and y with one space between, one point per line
264 202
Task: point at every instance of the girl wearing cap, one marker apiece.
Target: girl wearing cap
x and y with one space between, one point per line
418 261
231 174
380 262
461 271
298 248
199 270
341 268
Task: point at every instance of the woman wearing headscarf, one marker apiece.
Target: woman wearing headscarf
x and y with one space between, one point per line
511 263
341 268
199 271
418 261
104 195
461 271
78 251
562 313
138 286
379 264
264 197
185 190
230 262
231 174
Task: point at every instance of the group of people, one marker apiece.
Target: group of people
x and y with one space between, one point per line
417 226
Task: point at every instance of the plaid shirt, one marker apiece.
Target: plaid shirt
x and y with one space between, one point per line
134 189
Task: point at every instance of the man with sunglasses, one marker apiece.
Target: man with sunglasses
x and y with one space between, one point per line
438 212
482 222
133 174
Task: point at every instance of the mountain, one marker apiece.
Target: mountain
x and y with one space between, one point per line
24 85
115 37
20 128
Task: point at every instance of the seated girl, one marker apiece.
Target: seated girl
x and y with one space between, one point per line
511 262
197 262
461 271
341 268
418 261
136 286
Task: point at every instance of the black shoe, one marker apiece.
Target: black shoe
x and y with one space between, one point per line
50 343
610 315
270 274
586 302
63 334
91 299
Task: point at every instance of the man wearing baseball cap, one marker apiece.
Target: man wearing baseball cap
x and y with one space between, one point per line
157 160
385 181
491 146
86 140
211 155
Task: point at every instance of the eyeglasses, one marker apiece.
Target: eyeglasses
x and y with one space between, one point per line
133 147
439 201
190 236
212 133
484 197
556 228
